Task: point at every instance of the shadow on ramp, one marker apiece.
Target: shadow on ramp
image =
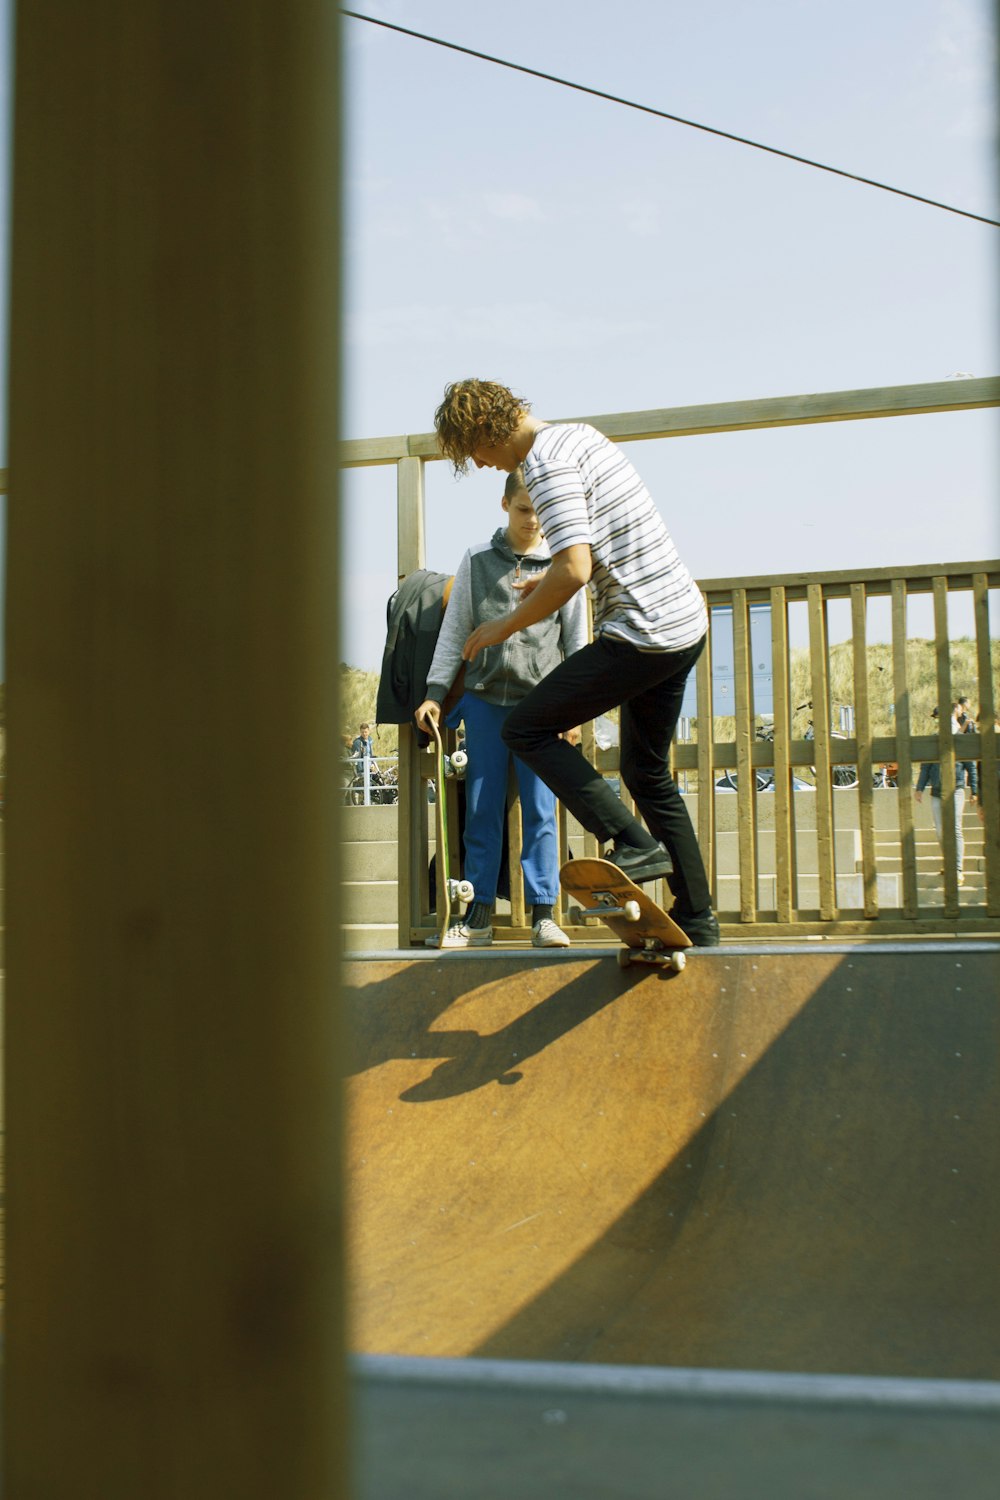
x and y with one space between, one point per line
772 1162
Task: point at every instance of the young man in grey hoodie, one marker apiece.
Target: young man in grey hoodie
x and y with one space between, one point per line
488 587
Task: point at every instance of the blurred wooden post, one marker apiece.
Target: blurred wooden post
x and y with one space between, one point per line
175 1323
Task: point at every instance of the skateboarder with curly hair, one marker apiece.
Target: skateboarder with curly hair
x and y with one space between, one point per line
650 625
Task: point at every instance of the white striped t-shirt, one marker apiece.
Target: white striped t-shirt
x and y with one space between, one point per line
586 491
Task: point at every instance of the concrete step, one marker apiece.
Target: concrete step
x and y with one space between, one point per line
930 864
368 902
974 881
376 860
364 824
846 841
849 888
361 937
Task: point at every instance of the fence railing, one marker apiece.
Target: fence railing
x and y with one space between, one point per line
846 803
796 860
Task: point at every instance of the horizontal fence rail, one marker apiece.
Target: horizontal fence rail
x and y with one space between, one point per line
799 831
724 416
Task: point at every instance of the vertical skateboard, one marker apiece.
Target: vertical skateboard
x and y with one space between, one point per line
448 890
647 933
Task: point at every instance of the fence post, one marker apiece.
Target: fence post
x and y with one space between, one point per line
173 1059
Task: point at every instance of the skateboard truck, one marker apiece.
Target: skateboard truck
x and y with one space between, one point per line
608 905
653 952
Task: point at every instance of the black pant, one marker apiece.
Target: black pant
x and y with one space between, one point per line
649 686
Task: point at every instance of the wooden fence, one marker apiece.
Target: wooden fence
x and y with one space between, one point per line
795 819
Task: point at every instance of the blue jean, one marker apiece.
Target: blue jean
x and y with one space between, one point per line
486 808
649 686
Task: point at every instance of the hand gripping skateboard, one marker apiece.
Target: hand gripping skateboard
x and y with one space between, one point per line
648 934
448 890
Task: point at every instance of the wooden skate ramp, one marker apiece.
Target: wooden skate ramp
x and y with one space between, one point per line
775 1160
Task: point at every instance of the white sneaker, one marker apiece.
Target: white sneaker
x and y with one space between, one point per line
461 936
545 934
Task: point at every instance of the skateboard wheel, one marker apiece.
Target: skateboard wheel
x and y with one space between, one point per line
459 761
632 912
678 961
464 890
624 958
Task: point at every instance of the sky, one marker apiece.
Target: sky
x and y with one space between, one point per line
597 259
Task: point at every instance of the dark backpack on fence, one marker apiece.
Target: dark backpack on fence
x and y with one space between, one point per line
413 620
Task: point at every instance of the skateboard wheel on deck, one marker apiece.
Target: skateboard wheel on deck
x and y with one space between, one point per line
631 911
464 890
459 761
677 961
624 958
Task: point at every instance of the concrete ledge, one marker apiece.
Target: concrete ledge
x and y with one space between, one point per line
543 1430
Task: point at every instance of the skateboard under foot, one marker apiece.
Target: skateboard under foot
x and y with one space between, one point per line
648 934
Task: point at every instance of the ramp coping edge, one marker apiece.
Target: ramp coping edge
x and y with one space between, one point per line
698 955
973 1396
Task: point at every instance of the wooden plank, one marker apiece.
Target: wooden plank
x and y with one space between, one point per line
803 752
798 410
410 527
988 790
360 453
946 747
904 802
704 760
515 839
174 1053
863 727
784 842
727 416
562 826
746 786
837 585
853 925
588 745
820 675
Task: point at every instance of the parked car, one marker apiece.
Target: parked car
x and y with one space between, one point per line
765 782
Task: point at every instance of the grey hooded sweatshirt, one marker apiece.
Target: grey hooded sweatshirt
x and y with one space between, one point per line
483 591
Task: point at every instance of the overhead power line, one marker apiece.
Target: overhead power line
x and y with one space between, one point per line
662 114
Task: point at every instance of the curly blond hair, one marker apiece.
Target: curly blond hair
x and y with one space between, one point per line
475 413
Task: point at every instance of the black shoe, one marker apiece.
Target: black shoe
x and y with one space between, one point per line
640 864
703 930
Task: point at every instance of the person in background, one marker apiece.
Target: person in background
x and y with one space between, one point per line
486 588
363 746
982 720
929 779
